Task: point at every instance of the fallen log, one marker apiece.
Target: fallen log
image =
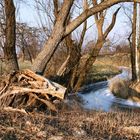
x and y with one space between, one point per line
25 88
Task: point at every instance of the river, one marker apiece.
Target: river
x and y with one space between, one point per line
98 96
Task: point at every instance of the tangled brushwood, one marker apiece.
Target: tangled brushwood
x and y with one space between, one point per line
27 90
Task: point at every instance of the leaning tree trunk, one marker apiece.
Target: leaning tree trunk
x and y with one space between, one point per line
99 18
88 63
45 55
9 48
56 37
69 68
72 58
138 61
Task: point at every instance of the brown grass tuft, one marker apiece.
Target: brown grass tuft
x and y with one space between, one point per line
119 87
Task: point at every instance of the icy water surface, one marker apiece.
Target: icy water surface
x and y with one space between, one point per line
98 96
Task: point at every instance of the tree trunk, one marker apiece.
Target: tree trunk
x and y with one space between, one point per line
138 61
56 37
88 64
133 47
69 68
99 19
9 48
72 58
60 30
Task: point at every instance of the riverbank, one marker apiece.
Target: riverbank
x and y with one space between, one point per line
122 87
101 72
107 94
71 122
106 67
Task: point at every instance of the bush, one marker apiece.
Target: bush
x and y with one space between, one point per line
119 88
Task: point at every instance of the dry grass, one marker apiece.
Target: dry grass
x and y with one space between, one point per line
119 87
119 59
71 122
24 65
122 89
68 125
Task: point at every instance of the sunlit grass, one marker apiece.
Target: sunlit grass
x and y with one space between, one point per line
24 64
101 72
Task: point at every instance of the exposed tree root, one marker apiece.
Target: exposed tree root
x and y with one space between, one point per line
25 89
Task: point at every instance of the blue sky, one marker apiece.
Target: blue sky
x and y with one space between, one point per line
28 14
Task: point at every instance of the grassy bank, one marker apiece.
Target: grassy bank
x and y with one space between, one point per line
101 72
106 67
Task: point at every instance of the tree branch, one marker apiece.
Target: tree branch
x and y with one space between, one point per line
89 12
84 26
112 23
94 4
56 11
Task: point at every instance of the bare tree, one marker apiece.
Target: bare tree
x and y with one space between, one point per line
69 68
99 19
74 49
132 39
61 30
10 37
138 41
28 39
2 25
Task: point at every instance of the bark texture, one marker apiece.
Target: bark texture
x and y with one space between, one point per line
9 48
133 46
69 68
56 37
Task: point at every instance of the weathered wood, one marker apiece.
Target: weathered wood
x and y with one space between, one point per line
37 84
28 89
50 85
17 90
33 75
25 77
46 102
10 109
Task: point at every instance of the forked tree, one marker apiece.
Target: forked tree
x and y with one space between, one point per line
61 29
99 20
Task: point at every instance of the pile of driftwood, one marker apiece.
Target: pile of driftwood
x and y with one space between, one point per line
25 89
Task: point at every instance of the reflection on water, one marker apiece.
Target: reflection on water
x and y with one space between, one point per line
98 96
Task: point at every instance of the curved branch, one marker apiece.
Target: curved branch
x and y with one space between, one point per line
112 23
84 26
89 12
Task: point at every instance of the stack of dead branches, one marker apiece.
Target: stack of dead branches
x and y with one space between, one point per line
25 89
